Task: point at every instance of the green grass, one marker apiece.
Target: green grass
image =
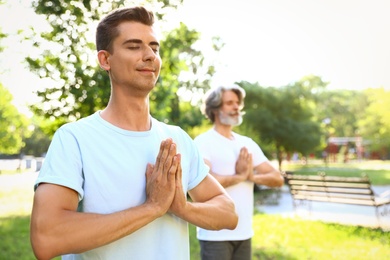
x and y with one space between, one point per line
275 237
287 239
15 238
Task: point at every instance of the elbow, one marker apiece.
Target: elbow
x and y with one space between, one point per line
278 181
233 223
41 252
41 246
231 218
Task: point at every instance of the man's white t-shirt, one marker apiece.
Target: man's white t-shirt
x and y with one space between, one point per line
223 153
106 166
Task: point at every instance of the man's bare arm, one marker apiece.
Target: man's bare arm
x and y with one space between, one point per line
57 228
266 174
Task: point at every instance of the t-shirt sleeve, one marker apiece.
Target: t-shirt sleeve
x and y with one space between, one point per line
63 164
201 168
198 169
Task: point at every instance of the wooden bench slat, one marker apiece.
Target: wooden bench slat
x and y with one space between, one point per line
328 178
332 189
336 200
330 184
348 190
382 201
335 195
335 190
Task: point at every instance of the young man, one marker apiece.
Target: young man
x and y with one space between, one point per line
114 184
237 162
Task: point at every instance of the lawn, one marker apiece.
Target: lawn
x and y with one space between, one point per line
275 237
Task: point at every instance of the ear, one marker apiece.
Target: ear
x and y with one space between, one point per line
103 57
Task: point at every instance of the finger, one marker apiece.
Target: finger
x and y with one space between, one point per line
171 173
163 153
250 158
178 174
170 156
244 152
158 159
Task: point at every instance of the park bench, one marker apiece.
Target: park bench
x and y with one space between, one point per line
346 190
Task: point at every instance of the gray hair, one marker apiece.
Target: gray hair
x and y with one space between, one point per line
212 101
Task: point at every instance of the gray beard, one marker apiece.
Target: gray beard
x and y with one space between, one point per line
226 119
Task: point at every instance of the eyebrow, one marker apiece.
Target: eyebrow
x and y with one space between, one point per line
139 41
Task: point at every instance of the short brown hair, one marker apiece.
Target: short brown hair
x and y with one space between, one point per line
107 30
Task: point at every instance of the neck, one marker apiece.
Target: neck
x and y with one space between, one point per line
224 130
129 114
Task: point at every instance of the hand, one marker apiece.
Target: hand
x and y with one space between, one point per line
250 169
180 200
244 165
161 177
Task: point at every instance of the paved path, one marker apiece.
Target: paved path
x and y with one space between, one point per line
330 212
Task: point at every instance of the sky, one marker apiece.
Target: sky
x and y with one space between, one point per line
272 42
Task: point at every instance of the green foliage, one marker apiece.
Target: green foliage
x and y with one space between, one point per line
38 142
82 87
177 55
12 124
343 108
2 35
284 116
375 125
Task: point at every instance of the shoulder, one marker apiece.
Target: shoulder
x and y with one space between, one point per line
204 136
78 126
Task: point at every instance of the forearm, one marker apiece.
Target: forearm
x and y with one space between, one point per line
228 180
215 214
270 179
65 231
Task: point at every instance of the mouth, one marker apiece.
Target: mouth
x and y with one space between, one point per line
236 113
146 70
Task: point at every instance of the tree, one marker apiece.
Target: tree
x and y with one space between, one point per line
179 58
375 124
38 142
282 117
82 87
343 108
12 124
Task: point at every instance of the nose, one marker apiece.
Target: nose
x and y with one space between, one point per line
149 54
